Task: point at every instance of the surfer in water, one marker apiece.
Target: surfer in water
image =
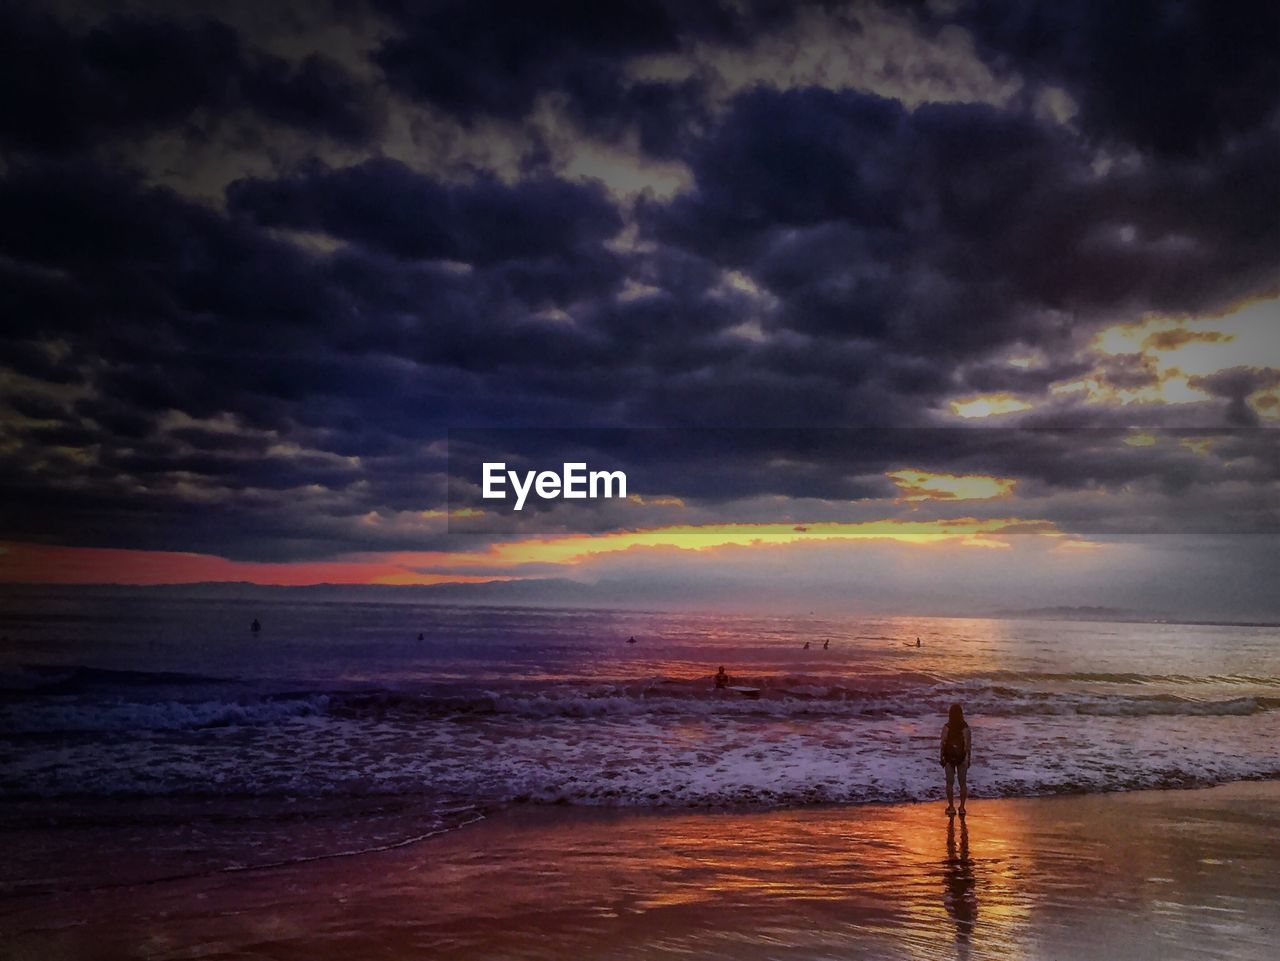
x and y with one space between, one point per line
255 627
954 754
722 679
826 644
917 642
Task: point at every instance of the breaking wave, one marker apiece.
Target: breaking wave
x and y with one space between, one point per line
85 700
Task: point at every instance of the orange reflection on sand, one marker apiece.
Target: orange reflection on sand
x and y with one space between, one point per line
1152 875
905 870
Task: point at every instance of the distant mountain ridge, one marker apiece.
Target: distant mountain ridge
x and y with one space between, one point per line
561 593
1085 613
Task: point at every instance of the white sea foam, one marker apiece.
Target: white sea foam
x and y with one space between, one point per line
76 715
506 707
650 761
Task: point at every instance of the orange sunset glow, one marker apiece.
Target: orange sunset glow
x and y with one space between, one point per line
34 563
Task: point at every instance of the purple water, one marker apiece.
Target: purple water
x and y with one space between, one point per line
169 712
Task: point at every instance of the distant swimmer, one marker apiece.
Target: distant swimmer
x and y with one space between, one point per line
917 642
631 640
421 637
806 645
826 644
722 679
255 626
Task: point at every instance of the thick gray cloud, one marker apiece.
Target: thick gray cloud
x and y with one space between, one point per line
260 375
63 90
1172 78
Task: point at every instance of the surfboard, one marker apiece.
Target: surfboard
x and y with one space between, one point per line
751 692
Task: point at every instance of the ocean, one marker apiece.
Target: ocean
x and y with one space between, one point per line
165 736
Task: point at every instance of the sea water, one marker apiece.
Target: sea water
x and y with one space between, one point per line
335 729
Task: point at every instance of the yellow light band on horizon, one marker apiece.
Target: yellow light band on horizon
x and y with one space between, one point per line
570 548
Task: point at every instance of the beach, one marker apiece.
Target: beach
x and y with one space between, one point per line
525 784
1150 874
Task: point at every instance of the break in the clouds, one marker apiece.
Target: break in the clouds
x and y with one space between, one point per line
258 259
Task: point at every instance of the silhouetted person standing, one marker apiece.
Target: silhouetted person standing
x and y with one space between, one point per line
955 752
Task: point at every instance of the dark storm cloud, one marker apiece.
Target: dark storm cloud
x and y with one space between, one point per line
667 116
1236 384
192 312
955 228
349 354
999 377
849 465
494 59
61 90
1130 371
261 378
1177 78
384 205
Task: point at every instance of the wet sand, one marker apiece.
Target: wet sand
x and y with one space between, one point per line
1161 874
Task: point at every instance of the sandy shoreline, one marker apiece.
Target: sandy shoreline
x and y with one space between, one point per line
1158 874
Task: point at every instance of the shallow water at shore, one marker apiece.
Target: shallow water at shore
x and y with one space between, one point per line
167 741
174 699
1160 875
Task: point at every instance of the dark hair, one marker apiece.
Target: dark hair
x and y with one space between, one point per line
956 716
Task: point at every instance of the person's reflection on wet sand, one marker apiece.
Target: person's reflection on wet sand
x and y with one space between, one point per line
960 897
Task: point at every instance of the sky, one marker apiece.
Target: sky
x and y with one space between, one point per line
939 305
